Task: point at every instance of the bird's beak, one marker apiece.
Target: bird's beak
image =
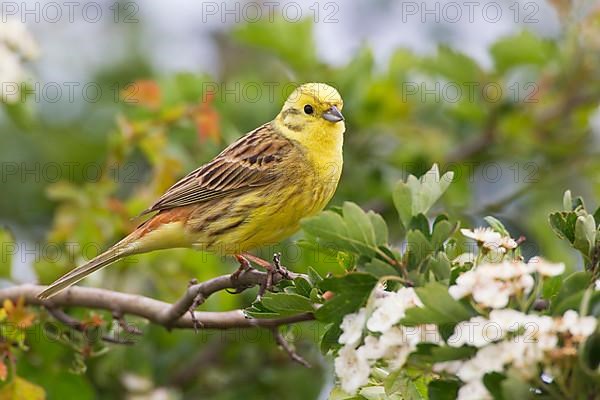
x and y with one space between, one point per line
333 115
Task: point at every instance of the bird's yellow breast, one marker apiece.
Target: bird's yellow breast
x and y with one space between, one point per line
307 181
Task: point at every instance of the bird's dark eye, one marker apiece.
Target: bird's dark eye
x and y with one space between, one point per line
308 109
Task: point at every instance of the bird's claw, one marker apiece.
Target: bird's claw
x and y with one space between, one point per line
244 266
271 271
280 268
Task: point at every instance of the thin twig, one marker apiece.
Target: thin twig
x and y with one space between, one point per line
79 326
288 348
133 330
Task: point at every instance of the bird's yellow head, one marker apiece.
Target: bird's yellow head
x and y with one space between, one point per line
312 116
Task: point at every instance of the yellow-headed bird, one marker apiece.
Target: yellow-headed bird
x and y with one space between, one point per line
252 194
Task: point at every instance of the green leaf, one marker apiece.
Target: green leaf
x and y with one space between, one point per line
258 310
496 225
358 224
493 383
571 302
516 388
442 230
403 202
572 288
597 216
293 43
393 382
567 201
416 196
417 248
420 223
330 337
563 224
552 287
439 307
351 292
346 260
314 276
451 64
329 227
379 268
377 393
443 390
408 382
440 266
523 48
354 283
287 303
341 304
353 231
589 356
379 228
585 234
303 288
447 353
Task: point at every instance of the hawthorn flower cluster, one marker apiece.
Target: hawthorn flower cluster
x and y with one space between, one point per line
506 337
373 335
513 342
490 240
492 285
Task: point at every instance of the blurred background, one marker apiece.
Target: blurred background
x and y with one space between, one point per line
105 104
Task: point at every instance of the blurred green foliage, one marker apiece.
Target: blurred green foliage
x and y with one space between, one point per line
516 137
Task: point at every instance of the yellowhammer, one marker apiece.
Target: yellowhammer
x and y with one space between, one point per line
252 194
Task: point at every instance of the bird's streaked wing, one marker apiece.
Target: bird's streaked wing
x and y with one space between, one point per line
244 165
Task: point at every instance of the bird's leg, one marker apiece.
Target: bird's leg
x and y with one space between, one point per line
244 266
259 261
272 269
269 269
280 268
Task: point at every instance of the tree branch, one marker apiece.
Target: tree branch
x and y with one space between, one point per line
197 294
158 312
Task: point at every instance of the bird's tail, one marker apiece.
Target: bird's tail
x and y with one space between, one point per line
118 251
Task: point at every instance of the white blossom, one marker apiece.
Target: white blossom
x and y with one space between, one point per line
391 309
492 294
373 348
451 367
394 336
490 358
580 327
547 268
482 235
492 285
508 243
508 320
464 258
585 326
352 369
398 356
352 327
473 391
478 332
